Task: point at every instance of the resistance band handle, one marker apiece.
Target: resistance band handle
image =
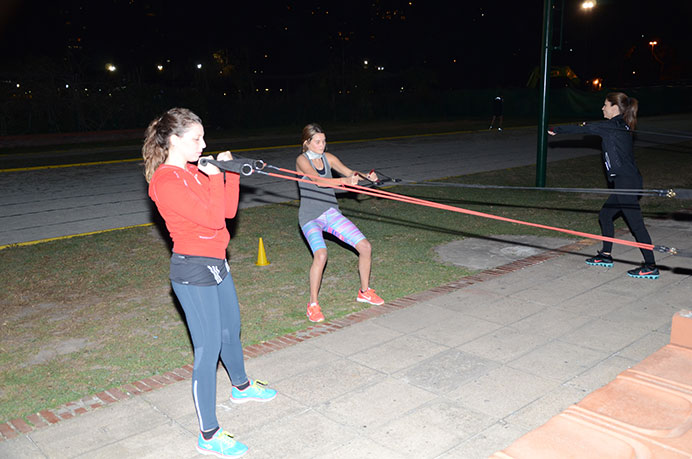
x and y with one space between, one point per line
673 251
382 179
240 166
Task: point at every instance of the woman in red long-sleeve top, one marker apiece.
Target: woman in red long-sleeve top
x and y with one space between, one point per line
195 202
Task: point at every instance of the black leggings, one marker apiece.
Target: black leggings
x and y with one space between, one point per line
628 207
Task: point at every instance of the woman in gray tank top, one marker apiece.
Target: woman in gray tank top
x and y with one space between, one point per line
319 212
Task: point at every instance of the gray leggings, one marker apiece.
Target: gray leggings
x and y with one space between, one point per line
213 319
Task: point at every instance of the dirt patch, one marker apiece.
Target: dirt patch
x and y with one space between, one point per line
56 349
476 253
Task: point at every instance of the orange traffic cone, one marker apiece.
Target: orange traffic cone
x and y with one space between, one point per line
261 255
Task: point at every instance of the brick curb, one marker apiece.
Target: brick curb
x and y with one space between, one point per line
19 426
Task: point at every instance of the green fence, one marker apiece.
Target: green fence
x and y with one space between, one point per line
135 108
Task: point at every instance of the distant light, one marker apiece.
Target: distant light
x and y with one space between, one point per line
17 84
653 43
380 68
110 67
266 89
588 4
159 68
67 86
365 62
634 72
199 66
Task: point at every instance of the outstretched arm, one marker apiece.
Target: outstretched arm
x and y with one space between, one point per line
303 166
597 128
342 169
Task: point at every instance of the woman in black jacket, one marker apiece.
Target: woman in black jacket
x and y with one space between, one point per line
620 112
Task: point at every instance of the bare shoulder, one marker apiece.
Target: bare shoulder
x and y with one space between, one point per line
332 158
301 159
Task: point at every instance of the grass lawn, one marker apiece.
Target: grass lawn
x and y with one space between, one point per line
82 315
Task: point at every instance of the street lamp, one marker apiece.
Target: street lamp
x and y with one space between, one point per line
653 43
587 6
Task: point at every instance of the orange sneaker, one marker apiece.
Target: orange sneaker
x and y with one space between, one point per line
369 296
315 313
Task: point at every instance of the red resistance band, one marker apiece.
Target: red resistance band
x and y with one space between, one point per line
421 202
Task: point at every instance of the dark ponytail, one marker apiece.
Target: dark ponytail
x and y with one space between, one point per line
629 106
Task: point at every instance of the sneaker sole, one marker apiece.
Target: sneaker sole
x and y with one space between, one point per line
250 399
207 452
362 300
646 276
314 321
606 265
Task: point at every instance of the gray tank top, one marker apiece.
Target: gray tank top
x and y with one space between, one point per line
315 200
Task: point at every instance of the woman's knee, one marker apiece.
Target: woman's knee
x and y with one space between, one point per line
364 247
606 214
319 257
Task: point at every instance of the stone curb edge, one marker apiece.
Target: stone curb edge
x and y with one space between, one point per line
15 427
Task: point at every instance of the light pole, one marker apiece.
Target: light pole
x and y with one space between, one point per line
653 44
587 6
546 45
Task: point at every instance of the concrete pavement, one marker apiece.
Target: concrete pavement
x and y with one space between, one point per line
460 371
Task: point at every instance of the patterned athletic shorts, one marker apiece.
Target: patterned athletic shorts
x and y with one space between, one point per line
332 222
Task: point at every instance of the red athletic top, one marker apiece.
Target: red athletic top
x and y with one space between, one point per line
195 207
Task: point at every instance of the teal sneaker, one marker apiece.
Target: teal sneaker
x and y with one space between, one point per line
645 272
600 260
221 444
256 391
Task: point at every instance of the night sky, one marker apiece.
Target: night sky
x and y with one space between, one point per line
472 43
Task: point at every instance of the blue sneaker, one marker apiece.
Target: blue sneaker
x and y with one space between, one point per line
256 391
645 272
221 444
600 260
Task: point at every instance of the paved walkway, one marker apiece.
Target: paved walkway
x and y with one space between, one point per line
460 371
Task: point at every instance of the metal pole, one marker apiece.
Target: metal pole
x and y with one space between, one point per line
546 45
